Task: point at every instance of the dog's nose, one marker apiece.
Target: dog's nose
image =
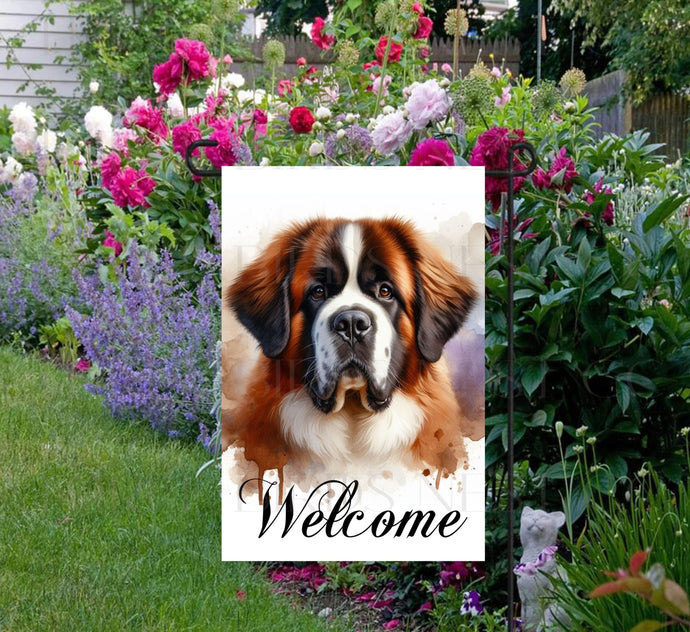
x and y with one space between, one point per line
352 325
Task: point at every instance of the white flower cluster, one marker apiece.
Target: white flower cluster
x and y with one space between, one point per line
10 171
24 127
99 123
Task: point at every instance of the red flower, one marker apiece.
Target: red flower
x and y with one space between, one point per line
301 119
241 595
111 242
130 187
608 214
370 64
318 37
301 61
110 167
424 27
432 153
417 8
183 135
491 151
395 51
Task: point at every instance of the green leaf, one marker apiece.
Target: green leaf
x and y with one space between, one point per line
623 396
648 626
662 211
532 376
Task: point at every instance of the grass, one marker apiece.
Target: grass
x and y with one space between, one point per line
104 526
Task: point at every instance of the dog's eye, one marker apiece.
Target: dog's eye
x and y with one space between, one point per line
386 291
318 292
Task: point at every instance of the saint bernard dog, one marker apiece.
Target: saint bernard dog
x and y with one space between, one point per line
351 318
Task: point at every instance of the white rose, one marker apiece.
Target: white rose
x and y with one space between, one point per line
23 119
94 86
98 122
12 169
175 108
232 80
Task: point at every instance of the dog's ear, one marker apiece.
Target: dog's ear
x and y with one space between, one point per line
260 295
443 299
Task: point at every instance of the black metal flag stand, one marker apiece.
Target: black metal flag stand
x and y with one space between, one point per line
509 174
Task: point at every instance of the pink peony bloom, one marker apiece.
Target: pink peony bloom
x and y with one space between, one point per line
428 103
608 215
130 187
121 136
318 37
424 27
446 68
285 87
110 167
111 242
559 176
183 135
227 60
196 57
82 365
225 153
376 85
491 151
391 133
143 114
432 153
301 61
168 75
417 8
494 246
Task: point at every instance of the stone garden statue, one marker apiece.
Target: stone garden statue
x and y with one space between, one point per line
538 533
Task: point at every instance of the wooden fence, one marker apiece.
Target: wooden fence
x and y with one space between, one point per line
665 116
505 51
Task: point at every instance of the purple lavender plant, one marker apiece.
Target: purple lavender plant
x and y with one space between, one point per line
154 340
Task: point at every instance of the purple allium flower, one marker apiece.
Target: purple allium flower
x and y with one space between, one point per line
355 144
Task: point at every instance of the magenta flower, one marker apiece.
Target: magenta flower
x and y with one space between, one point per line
425 607
225 153
560 175
608 215
82 365
111 242
183 135
494 239
318 37
190 60
491 151
392 624
432 153
110 167
424 27
311 574
471 603
130 187
144 115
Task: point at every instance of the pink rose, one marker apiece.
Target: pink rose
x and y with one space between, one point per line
284 87
111 242
183 135
446 67
318 37
417 8
227 60
432 152
301 61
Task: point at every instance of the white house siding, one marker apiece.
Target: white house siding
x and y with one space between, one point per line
40 47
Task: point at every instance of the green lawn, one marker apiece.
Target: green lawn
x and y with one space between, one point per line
103 526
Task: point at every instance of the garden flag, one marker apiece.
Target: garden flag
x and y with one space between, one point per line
353 363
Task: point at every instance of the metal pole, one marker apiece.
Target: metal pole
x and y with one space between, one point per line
538 40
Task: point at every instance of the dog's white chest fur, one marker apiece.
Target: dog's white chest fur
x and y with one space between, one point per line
347 439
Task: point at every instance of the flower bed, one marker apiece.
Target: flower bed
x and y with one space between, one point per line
602 291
